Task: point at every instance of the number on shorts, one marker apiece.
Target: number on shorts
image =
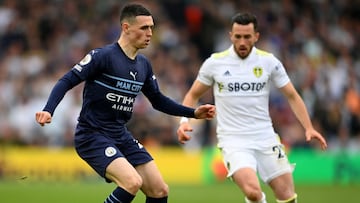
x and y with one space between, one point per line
279 149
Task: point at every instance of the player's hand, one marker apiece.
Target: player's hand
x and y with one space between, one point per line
43 117
312 133
206 111
181 132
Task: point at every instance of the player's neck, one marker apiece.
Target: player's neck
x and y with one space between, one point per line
129 50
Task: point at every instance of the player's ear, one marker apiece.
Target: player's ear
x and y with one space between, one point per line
125 27
257 35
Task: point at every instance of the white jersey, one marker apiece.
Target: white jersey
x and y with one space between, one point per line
241 90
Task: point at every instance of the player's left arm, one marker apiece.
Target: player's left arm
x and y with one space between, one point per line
298 107
169 106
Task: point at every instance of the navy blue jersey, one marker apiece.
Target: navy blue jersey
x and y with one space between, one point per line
112 82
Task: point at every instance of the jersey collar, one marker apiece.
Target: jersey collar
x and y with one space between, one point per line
234 54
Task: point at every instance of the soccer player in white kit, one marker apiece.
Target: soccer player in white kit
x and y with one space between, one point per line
240 78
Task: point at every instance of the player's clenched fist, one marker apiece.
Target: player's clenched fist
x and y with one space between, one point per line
43 117
206 111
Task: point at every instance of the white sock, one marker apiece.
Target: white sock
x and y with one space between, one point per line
263 199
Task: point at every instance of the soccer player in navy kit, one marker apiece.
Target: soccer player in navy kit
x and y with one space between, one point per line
114 75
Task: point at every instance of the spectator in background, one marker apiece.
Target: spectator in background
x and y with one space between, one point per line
49 28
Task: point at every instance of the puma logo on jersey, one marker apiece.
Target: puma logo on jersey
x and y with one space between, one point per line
133 74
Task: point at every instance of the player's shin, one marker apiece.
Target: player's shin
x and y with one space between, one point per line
292 199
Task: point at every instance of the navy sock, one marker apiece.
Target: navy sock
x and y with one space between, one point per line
156 200
119 195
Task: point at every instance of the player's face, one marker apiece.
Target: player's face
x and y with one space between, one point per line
141 31
243 38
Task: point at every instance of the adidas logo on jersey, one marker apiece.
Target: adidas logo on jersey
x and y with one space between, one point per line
227 73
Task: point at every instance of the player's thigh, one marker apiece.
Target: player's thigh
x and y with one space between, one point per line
246 178
153 182
272 161
121 172
283 186
241 165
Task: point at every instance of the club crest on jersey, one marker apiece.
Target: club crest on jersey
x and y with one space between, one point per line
110 151
85 60
258 71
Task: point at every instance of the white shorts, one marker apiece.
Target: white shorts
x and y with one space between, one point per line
267 157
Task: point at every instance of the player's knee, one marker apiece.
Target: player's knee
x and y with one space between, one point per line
163 191
132 184
253 194
256 199
135 183
158 191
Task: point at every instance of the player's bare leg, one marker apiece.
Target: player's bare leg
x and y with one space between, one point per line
154 186
248 182
124 175
283 187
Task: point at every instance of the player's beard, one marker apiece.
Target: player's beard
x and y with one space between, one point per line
243 51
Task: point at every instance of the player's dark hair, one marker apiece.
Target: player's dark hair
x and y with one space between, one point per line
245 19
133 10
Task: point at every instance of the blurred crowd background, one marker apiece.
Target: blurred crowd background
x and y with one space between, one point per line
318 41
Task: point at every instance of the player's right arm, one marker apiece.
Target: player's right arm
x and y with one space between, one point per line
191 99
88 67
68 81
43 117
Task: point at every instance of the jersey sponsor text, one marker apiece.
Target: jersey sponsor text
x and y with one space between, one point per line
246 86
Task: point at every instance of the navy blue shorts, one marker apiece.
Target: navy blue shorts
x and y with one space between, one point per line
99 150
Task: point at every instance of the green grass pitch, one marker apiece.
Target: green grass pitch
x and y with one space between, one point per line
25 190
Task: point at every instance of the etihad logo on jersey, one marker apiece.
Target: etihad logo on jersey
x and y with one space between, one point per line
120 98
258 71
121 102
